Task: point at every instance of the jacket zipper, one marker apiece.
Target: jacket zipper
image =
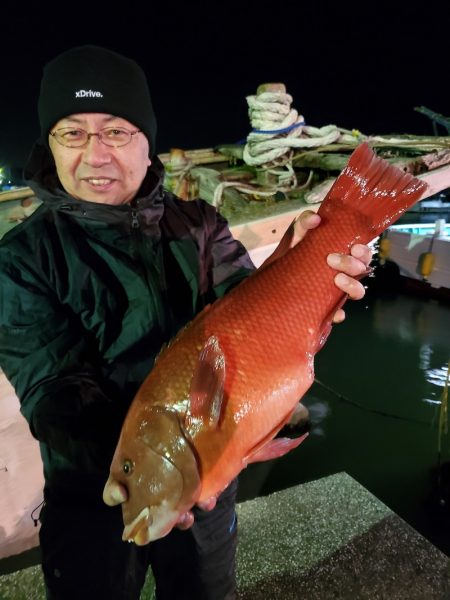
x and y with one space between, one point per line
134 219
151 271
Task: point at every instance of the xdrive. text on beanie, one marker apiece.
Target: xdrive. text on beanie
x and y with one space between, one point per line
93 79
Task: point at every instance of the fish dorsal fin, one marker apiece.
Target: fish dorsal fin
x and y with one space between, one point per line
206 393
161 351
284 245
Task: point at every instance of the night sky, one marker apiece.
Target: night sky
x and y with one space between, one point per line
364 68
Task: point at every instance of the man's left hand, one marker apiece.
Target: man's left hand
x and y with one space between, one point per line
186 520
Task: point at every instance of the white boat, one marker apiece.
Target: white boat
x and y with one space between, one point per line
418 253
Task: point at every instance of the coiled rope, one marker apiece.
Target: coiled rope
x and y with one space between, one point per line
278 128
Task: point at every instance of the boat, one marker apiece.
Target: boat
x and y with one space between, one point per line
416 257
282 167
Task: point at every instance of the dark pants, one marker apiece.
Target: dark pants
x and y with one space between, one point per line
83 556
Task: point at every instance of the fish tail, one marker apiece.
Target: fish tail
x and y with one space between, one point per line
365 199
377 190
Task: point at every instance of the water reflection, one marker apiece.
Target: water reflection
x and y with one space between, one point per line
437 376
425 356
410 318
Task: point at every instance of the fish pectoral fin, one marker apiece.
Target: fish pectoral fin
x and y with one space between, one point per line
207 385
275 449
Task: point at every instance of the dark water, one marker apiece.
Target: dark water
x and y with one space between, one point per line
375 412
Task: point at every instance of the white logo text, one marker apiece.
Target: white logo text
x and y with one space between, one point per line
88 94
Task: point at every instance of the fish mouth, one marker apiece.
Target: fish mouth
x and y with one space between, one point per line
137 530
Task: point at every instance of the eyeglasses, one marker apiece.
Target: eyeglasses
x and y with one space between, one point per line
110 136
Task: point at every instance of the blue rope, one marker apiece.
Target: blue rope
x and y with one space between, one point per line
262 131
285 130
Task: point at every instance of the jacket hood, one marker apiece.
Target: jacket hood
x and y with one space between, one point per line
40 175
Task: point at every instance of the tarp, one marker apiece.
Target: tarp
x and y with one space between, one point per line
21 478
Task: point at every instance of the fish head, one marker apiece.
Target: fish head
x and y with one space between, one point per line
154 474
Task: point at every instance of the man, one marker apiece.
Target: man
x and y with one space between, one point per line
92 285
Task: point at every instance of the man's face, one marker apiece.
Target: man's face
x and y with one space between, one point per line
97 172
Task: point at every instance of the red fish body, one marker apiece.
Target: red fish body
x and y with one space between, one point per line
230 380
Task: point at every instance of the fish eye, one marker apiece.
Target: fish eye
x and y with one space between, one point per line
127 466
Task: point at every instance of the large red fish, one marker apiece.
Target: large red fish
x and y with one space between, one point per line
228 382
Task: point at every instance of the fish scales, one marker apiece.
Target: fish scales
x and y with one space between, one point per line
264 335
271 362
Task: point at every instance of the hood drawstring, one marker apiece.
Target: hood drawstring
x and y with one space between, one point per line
39 508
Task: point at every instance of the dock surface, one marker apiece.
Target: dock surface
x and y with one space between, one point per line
332 539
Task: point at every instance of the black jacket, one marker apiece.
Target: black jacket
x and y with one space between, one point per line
88 295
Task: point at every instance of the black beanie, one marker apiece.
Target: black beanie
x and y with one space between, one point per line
93 79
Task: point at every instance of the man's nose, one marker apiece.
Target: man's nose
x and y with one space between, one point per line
95 153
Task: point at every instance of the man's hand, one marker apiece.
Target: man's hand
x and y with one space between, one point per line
186 520
350 266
